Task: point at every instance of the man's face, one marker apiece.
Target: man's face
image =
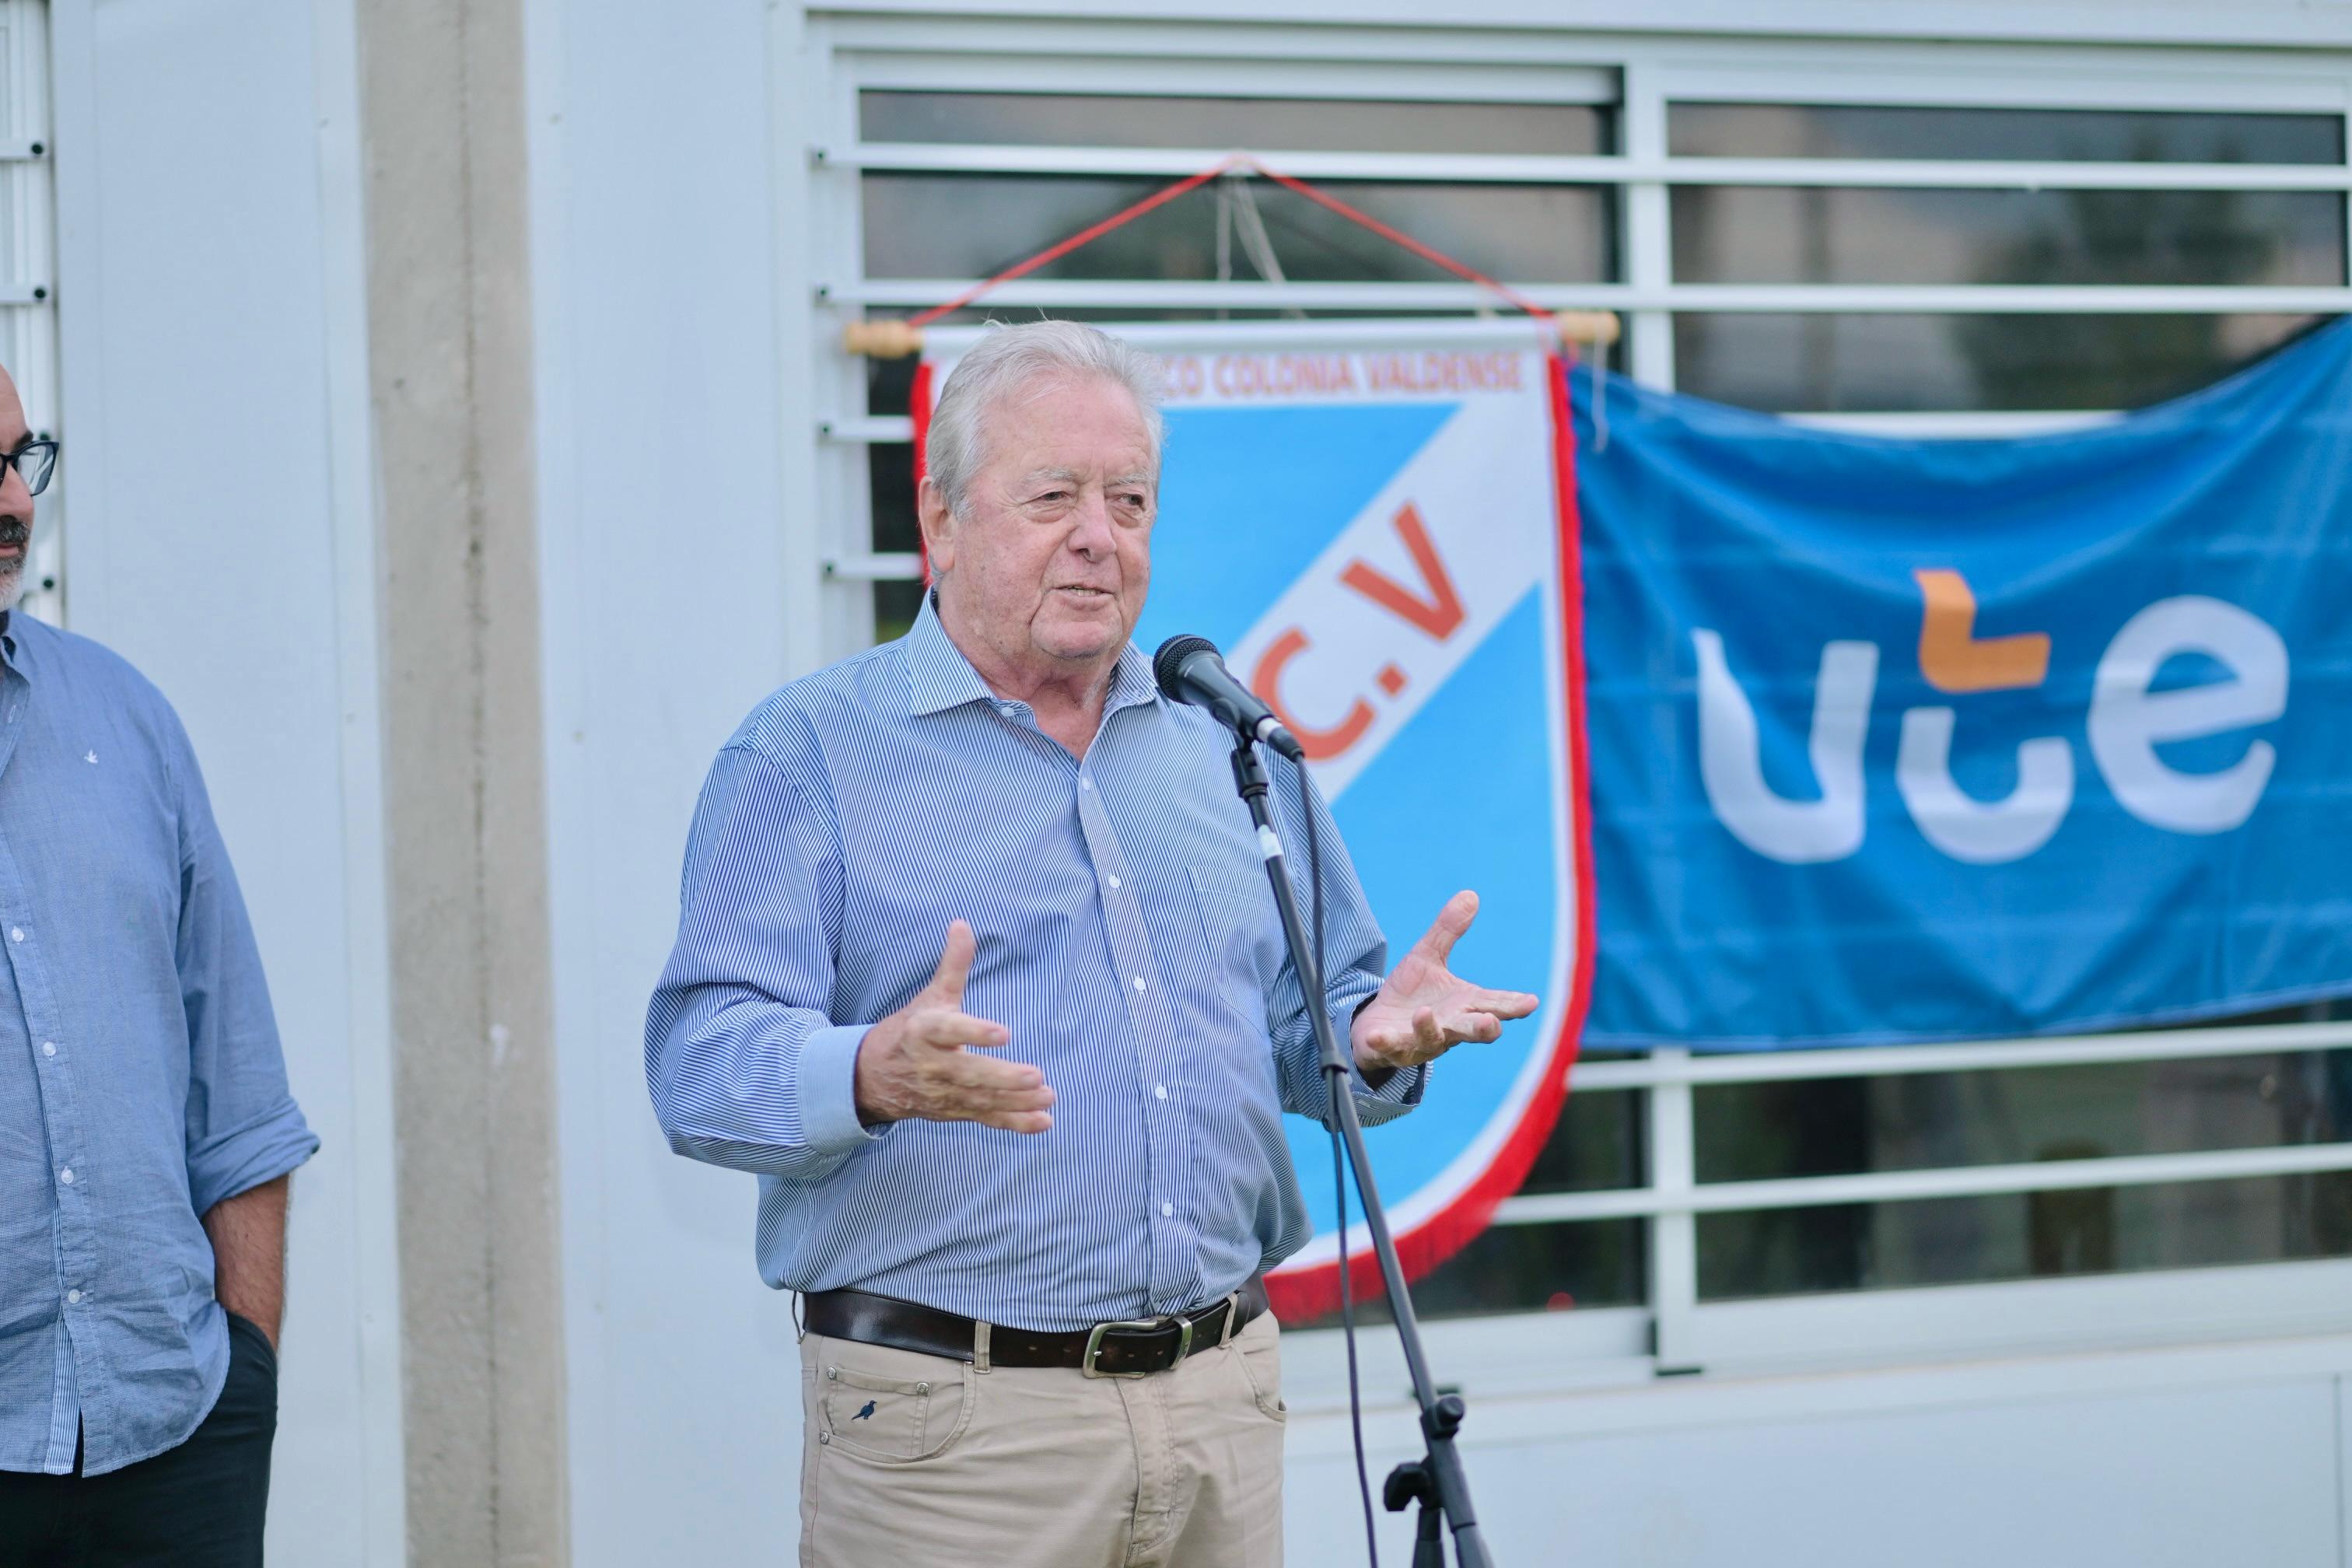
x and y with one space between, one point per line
15 500
1050 561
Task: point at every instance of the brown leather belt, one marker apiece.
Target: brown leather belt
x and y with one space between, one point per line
1134 1348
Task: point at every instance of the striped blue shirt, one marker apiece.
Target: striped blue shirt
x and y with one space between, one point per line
141 1079
1128 941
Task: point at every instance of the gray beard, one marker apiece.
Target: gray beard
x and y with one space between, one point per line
12 584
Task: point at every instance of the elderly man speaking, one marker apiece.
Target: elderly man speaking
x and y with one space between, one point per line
978 969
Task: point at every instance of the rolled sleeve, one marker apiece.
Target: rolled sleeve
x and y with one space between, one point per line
242 1125
245 1157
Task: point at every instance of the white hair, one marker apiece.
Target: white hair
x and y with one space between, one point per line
1004 365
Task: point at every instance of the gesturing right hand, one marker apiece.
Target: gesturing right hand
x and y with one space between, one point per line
914 1063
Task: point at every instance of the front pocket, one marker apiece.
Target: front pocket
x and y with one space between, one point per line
1259 1350
894 1420
1244 932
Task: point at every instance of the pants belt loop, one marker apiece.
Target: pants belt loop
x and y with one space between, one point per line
1233 1311
979 1346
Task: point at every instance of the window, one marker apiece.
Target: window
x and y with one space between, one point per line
29 324
1938 240
1957 236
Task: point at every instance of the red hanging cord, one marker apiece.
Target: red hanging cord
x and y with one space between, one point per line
1397 236
1084 237
1167 194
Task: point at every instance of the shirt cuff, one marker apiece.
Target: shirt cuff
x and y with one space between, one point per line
828 1091
237 1161
1398 1093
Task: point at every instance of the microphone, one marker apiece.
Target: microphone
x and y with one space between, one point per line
1190 669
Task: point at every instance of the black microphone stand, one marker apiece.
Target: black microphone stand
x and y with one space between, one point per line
1435 1481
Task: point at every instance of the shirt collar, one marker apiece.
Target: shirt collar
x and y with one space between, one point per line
940 676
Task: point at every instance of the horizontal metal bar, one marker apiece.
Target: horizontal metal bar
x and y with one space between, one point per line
1893 1186
1963 424
1976 1056
1173 163
1487 168
1967 300
22 149
868 428
1923 173
881 568
1993 299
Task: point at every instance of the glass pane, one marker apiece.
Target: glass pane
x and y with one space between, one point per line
2023 1236
2070 135
896 605
1526 1269
1338 125
1782 234
974 225
1920 1121
1597 1145
1890 363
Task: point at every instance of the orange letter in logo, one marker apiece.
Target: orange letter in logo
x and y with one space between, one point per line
1439 613
1951 656
1266 681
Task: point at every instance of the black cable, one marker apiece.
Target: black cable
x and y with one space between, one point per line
1339 1180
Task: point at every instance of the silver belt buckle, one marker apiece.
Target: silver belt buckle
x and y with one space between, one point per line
1095 1338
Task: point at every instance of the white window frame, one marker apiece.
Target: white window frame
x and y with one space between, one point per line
28 332
1673 1333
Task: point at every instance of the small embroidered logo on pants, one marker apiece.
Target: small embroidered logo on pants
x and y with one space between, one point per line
865 1413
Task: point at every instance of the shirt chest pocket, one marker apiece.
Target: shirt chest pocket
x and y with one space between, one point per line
1243 933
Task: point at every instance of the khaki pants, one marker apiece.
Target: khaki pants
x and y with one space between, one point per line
915 1461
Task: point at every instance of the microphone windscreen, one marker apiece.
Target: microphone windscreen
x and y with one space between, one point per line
1172 654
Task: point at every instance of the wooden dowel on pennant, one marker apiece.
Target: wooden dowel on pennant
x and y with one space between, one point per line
891 339
1599 328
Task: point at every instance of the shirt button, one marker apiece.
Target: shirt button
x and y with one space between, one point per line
65 1175
15 933
73 1298
1138 982
1167 1211
1160 1090
1114 882
1085 783
49 1047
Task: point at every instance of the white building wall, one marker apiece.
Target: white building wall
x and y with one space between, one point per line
213 340
670 503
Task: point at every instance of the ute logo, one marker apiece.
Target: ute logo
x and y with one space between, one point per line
2128 718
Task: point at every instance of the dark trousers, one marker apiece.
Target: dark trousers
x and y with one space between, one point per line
199 1505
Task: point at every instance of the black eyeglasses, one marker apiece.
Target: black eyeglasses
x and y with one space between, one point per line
33 461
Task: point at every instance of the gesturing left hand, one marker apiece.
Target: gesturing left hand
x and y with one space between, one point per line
1422 1010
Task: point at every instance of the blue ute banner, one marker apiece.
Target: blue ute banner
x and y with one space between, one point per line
1888 739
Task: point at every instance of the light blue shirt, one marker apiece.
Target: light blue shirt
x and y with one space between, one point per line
141 1080
1128 941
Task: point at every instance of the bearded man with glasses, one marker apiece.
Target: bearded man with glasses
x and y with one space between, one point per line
146 1131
